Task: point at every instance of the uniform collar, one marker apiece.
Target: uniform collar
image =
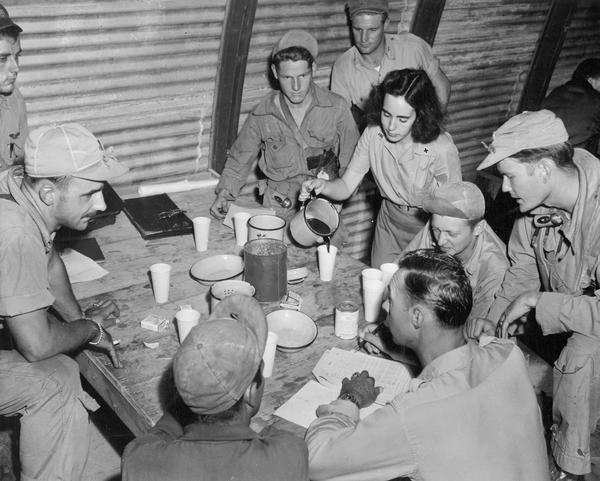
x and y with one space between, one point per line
15 180
199 431
452 360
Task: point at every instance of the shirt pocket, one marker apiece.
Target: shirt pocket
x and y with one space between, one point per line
325 138
424 180
278 155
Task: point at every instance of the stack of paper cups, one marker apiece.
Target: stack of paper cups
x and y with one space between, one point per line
161 277
269 354
373 290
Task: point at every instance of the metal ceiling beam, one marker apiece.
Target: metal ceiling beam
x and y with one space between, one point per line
546 54
235 43
426 19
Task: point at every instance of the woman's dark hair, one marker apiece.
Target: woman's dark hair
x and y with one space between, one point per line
418 91
586 69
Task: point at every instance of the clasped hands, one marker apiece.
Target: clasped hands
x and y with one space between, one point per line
106 314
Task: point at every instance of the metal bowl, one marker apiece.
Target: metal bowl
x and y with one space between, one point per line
294 329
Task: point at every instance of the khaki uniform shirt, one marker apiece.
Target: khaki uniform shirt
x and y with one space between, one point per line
471 415
327 123
353 79
485 267
13 129
406 176
25 246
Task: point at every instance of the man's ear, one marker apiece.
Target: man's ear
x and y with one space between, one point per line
314 68
478 228
545 168
386 23
254 392
274 70
48 192
417 316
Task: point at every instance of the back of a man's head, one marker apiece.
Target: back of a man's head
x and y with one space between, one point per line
220 359
439 281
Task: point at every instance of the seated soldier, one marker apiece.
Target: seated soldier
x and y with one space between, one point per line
457 227
301 132
13 114
218 375
577 104
470 415
60 186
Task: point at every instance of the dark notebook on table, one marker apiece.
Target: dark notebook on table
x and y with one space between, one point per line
156 216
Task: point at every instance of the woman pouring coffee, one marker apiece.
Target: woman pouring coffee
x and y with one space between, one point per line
409 156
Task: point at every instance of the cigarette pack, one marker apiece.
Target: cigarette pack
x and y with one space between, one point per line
154 323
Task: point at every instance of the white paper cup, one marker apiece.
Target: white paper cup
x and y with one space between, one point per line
269 354
186 320
326 262
388 269
161 276
373 290
201 229
240 225
371 273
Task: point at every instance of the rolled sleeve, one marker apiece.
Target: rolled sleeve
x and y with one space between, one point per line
556 312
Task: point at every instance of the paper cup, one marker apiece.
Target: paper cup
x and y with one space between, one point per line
186 320
201 229
371 273
161 276
269 354
373 290
388 269
326 262
240 225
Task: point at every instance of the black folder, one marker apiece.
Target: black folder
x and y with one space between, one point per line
156 216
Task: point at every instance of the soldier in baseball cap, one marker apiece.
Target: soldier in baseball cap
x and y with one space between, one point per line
368 6
552 248
457 226
218 374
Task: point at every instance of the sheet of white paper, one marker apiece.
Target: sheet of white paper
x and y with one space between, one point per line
81 268
181 186
336 364
301 407
233 208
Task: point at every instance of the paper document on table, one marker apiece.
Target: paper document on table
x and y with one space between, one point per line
301 407
336 364
81 268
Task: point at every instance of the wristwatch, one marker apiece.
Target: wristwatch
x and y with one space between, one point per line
349 397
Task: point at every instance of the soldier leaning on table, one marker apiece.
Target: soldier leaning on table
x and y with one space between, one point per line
301 132
13 113
60 185
218 375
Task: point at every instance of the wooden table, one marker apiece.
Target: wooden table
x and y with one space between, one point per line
139 391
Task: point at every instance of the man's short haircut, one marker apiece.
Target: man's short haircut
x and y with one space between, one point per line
561 154
62 182
418 91
295 54
438 280
589 68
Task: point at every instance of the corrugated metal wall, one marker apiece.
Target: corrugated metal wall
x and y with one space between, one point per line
582 41
139 74
485 48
